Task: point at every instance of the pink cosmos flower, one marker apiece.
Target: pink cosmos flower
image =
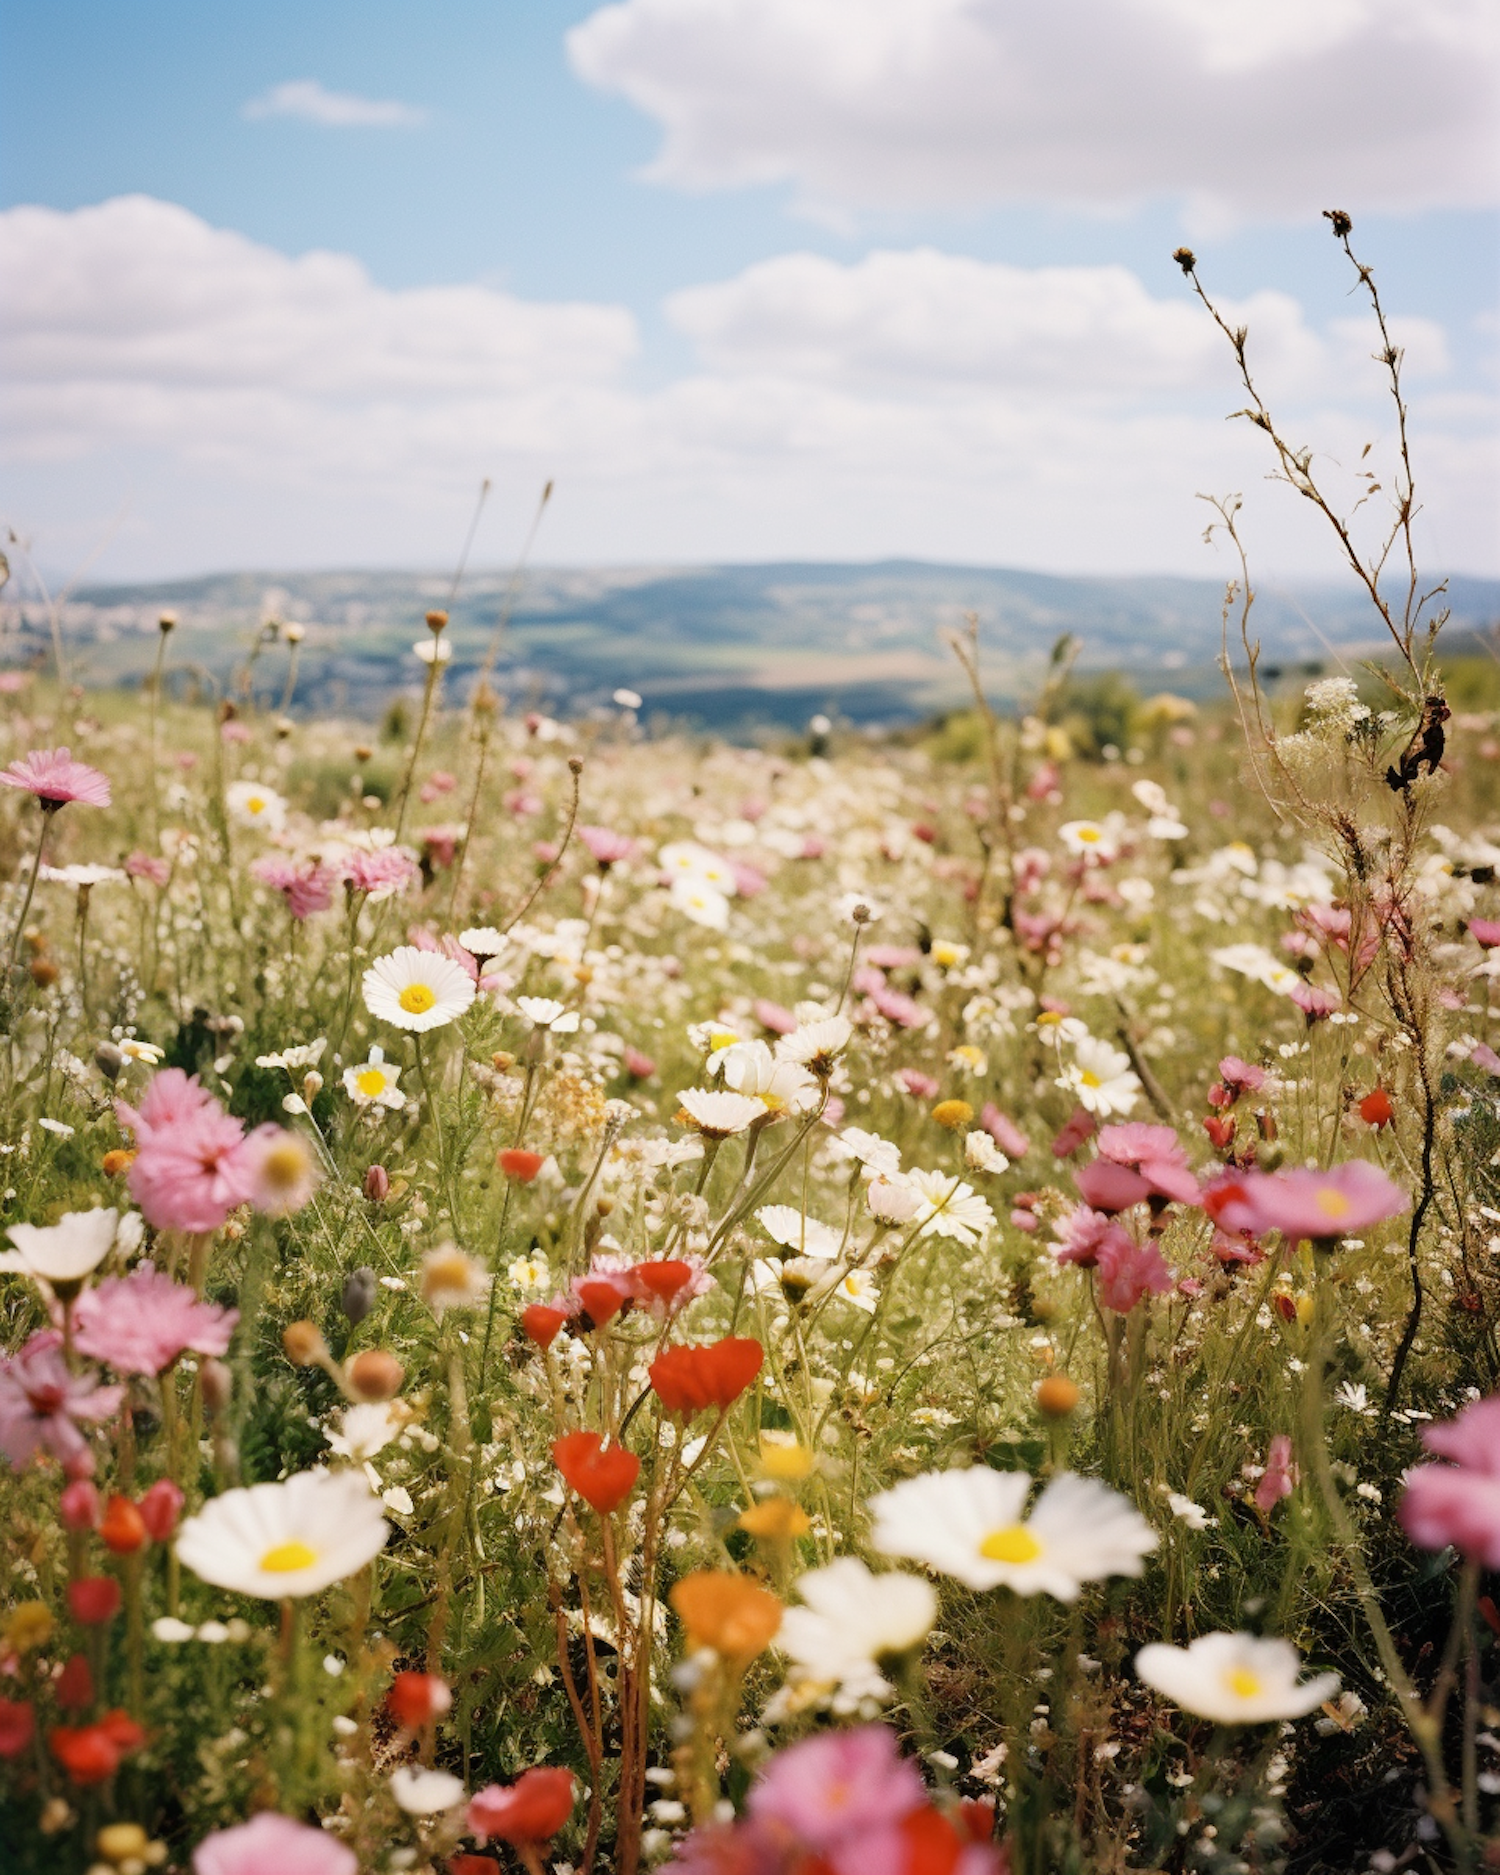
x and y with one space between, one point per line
140 1323
607 847
306 888
773 1017
1240 1077
1300 1203
1005 1133
269 1842
1128 1272
235 732
1459 1503
54 777
1080 1232
842 1795
1314 1003
40 1401
190 1169
148 866
1079 1126
441 844
1155 1154
900 1009
1280 1477
437 784
392 869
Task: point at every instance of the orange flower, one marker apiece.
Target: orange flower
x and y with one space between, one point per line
602 1475
777 1519
728 1613
690 1380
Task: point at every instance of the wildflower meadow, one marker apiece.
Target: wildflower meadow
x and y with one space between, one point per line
580 1301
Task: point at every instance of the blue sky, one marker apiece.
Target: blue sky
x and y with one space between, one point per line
774 419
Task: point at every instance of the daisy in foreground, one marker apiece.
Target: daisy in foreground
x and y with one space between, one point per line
1234 1679
417 989
289 1539
971 1523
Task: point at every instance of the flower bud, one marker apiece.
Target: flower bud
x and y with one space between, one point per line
312 1085
122 1529
122 1842
160 1507
377 1184
79 1505
303 1344
357 1297
416 1699
44 973
217 1382
374 1375
116 1163
94 1600
436 621
518 1164
1057 1396
109 1060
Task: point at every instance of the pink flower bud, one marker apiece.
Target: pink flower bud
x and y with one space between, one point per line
80 1505
377 1184
160 1507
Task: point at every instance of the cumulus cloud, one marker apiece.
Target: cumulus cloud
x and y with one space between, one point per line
265 408
1277 109
314 103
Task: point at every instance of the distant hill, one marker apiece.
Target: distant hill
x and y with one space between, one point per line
721 645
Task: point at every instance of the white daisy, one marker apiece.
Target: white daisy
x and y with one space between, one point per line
981 1154
365 1430
307 1055
80 875
452 1279
1234 1679
289 1539
803 1236
420 1792
858 1289
717 1115
817 1045
686 860
64 1253
853 1622
878 1156
1086 836
252 804
146 1052
417 989
373 1083
892 1201
950 1208
702 902
543 1013
782 1086
483 940
970 1523
1101 1079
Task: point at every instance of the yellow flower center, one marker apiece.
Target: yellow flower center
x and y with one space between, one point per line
287 1557
1332 1202
284 1166
1013 1544
370 1082
1243 1683
416 999
1089 835
1088 1078
255 804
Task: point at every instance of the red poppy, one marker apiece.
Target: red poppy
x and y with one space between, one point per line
517 1163
123 1529
531 1810
933 1845
1376 1109
664 1278
1220 1131
473 1865
690 1380
602 1296
17 1724
601 1474
416 1699
91 1754
94 1600
542 1323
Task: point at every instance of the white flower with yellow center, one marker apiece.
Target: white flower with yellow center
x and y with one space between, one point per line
417 989
373 1083
803 1236
858 1289
781 1086
981 1154
1101 1079
853 1624
817 1045
252 804
530 1272
879 1157
1234 1679
686 860
971 1524
718 1115
452 1279
1086 836
62 1254
285 1540
947 955
363 1431
950 1208
701 902
543 1013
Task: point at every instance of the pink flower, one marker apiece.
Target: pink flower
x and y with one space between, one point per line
1129 1271
11 682
773 1017
919 1085
140 1323
1005 1133
1239 1077
1280 1477
607 847
190 1169
1459 1503
40 1401
1153 1152
437 784
1079 1126
423 940
1080 1233
892 957
843 1795
1300 1203
638 1066
148 866
440 844
392 869
1485 932
306 889
273 1843
53 776
1109 1187
898 1008
1314 1003
749 881
234 732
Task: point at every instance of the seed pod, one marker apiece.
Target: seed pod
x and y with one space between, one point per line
304 1344
109 1060
358 1295
377 1184
374 1375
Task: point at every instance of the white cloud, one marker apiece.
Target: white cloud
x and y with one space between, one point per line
261 409
314 103
1280 108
